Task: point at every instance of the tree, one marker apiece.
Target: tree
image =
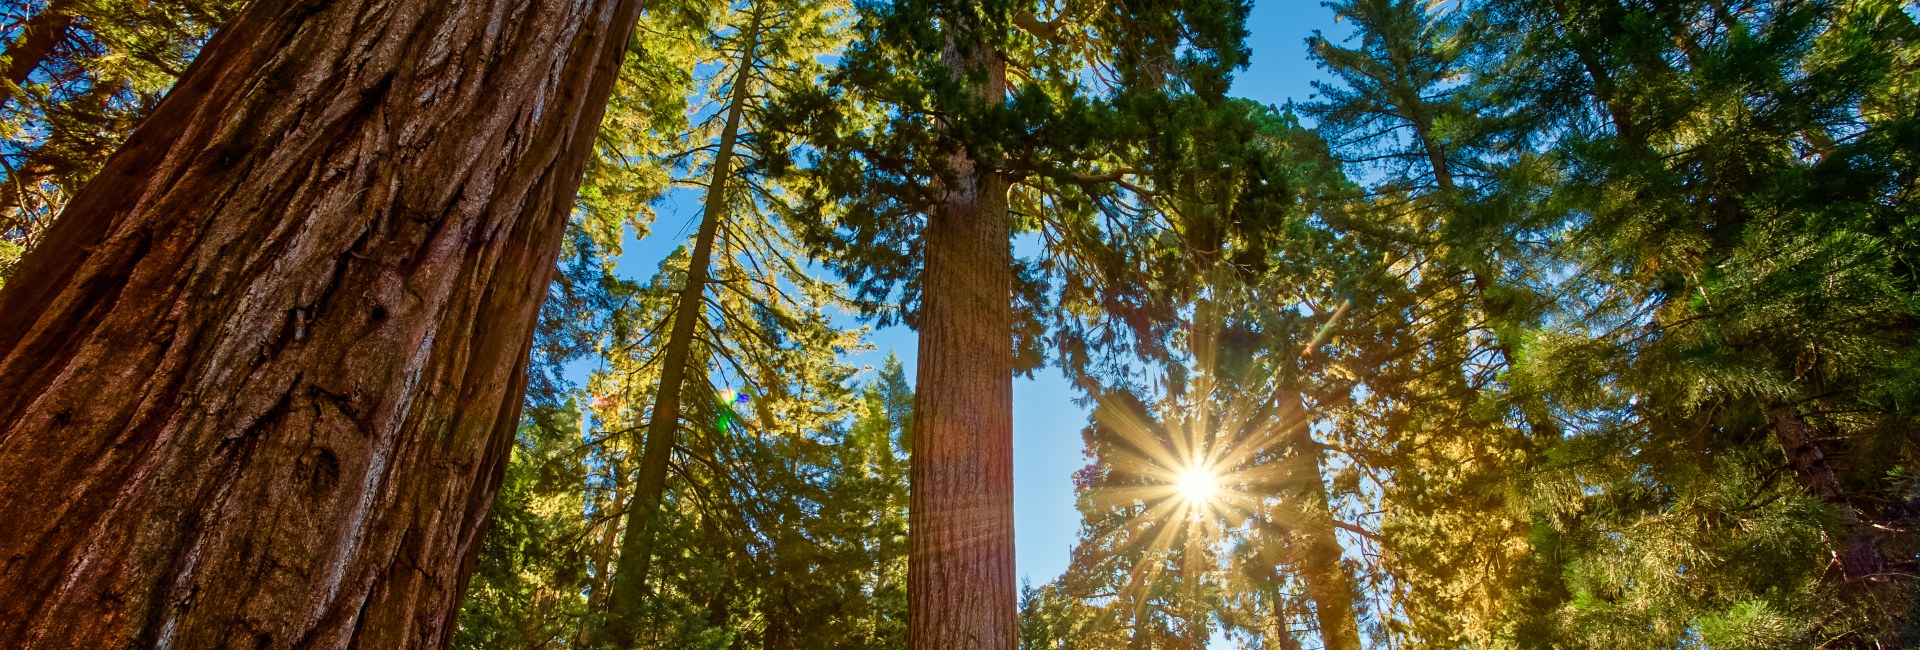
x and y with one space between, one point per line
636 544
954 126
84 74
35 42
1430 344
771 47
306 285
1749 301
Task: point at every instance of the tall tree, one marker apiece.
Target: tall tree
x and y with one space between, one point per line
768 49
307 285
543 570
1436 323
1748 302
955 126
636 543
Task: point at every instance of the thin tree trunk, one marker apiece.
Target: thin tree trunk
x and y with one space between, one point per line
1282 624
68 155
1271 557
36 41
1859 555
961 589
636 544
260 381
1327 582
601 561
776 606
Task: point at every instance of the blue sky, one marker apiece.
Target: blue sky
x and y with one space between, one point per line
1046 422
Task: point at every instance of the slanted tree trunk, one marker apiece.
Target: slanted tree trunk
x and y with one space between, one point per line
961 591
1318 550
36 41
636 544
260 380
1859 555
601 562
70 151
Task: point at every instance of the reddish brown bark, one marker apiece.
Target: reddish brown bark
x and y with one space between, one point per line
1859 556
960 582
258 384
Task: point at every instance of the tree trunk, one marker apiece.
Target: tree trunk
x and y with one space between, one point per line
720 602
600 562
1327 582
961 589
36 41
636 544
1859 556
72 149
259 383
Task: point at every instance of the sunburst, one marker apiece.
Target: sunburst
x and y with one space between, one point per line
1198 486
1191 476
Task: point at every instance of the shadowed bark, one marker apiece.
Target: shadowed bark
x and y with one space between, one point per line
1859 555
260 380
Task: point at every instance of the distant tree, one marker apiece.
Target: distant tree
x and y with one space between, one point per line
953 127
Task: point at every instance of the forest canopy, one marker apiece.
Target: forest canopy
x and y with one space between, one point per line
571 323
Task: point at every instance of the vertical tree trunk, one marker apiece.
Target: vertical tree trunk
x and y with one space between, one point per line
35 43
1859 555
719 601
601 563
1327 582
961 589
1282 624
259 383
636 544
1268 541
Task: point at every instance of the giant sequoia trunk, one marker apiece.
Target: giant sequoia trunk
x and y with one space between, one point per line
960 583
258 384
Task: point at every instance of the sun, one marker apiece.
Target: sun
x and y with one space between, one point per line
1198 486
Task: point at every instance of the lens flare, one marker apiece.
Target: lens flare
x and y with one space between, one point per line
1198 486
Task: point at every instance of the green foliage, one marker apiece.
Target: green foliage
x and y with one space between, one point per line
1610 256
110 63
1557 284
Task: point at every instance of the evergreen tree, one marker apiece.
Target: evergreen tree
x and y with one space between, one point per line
1750 321
80 75
956 125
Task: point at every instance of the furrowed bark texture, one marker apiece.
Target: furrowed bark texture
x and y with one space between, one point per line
960 583
258 384
636 542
